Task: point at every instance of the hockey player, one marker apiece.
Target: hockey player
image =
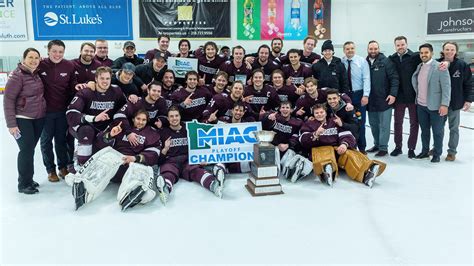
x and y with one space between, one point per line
324 136
119 158
208 62
169 86
287 128
90 111
347 120
314 96
296 72
263 62
192 99
286 92
221 104
174 161
261 97
237 68
220 83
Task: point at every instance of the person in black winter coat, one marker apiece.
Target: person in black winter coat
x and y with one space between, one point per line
129 56
383 92
462 94
329 71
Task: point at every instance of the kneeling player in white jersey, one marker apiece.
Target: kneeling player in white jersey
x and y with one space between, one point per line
120 159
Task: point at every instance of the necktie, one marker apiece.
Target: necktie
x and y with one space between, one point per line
349 74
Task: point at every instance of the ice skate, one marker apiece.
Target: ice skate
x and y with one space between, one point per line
79 194
326 175
217 186
369 177
163 189
297 171
132 199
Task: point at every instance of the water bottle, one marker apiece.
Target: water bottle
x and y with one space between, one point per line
295 14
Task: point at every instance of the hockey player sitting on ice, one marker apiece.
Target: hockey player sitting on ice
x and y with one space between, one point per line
237 116
314 96
174 161
260 96
222 104
292 165
119 158
324 136
192 99
90 111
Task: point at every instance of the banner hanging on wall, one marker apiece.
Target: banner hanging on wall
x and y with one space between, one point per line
82 20
204 19
286 19
451 22
13 21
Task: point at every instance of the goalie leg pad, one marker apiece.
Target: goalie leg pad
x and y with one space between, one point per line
322 156
355 163
137 176
284 162
96 173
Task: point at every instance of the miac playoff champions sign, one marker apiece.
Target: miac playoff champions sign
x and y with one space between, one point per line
221 143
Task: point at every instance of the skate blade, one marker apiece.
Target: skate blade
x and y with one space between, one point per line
132 199
79 194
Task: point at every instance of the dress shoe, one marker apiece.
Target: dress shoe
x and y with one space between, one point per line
373 149
423 155
35 184
363 152
397 151
28 190
431 152
53 177
63 173
381 154
450 158
411 154
435 159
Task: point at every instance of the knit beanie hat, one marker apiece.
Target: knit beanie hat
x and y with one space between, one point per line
327 45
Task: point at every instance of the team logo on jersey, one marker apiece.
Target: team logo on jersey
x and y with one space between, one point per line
63 74
457 74
221 143
44 74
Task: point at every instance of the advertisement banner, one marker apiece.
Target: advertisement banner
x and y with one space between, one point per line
319 23
13 21
204 19
3 81
459 21
248 20
221 143
296 19
272 19
82 20
181 66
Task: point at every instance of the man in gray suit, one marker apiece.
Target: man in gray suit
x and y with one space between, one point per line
433 94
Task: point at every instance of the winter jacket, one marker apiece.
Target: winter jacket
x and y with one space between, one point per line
333 75
461 86
405 70
24 96
384 81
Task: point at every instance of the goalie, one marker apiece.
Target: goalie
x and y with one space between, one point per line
121 161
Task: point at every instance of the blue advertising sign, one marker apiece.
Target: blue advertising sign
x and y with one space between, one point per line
82 20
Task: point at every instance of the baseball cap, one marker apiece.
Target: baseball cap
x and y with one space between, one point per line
128 67
128 44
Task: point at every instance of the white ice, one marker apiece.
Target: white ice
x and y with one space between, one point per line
417 212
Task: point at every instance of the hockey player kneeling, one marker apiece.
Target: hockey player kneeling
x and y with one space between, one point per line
324 136
120 158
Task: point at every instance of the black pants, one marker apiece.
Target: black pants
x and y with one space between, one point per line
30 130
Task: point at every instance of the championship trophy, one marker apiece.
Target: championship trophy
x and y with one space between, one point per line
263 178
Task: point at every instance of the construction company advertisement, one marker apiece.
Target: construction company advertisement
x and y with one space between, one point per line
221 143
12 20
285 19
203 19
3 81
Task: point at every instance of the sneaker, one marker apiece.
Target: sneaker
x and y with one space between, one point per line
435 159
373 149
297 173
371 174
28 190
163 189
63 173
397 151
411 154
450 158
217 185
53 177
381 154
423 155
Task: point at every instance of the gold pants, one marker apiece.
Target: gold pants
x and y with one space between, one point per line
355 163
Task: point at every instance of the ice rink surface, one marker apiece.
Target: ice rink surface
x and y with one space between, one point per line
416 213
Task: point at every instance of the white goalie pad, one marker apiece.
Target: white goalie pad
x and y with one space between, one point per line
138 175
97 172
285 161
307 166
